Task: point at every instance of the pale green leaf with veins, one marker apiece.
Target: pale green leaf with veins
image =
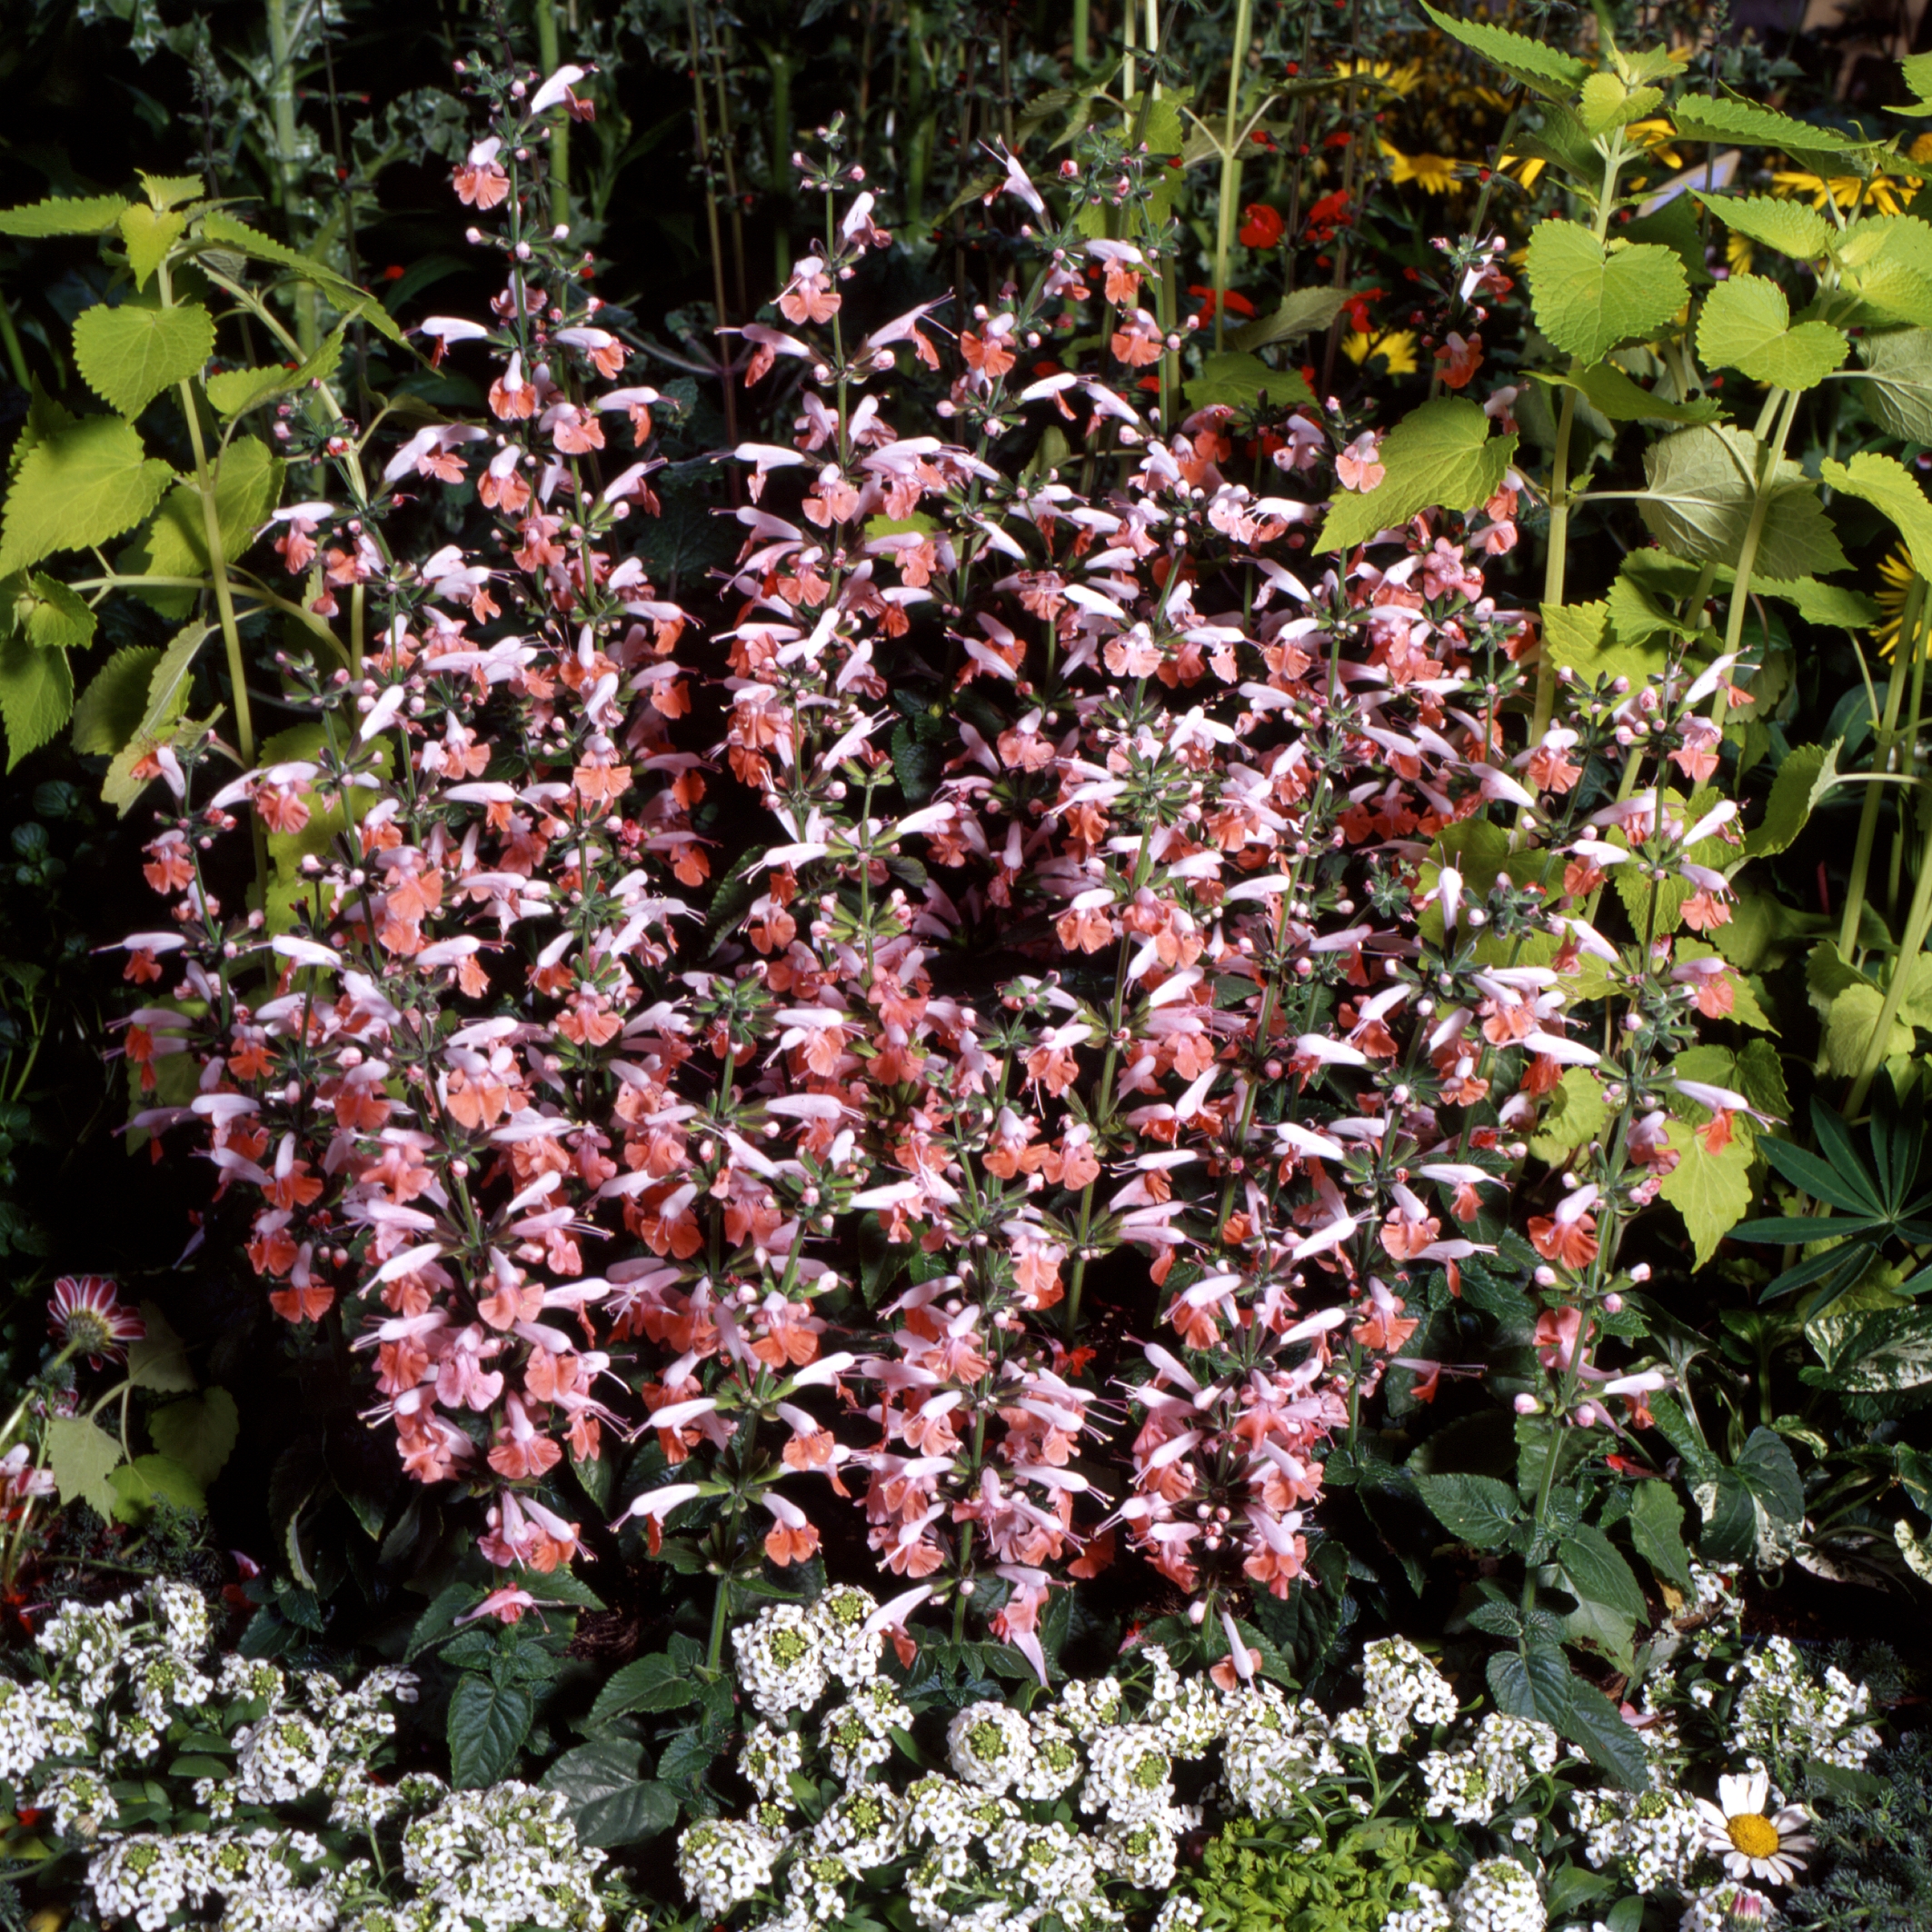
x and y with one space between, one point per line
1787 226
129 355
1698 505
87 482
1440 455
1898 382
1747 326
1887 484
1588 299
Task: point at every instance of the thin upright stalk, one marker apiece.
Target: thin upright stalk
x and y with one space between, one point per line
549 58
1911 635
1230 185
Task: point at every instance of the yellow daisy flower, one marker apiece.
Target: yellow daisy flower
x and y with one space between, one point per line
1737 252
1403 80
1895 575
1398 352
1881 193
1433 173
1525 169
1655 137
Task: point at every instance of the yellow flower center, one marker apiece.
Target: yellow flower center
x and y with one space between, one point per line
1755 1836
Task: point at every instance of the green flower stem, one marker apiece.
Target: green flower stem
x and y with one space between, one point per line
1082 35
1230 188
1911 635
1908 740
1917 921
288 153
1753 535
549 59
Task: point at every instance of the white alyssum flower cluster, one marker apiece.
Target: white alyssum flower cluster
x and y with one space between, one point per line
1498 1896
977 1845
1651 1838
1783 1711
1473 1782
125 1683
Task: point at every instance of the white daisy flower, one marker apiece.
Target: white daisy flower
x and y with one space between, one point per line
1753 1841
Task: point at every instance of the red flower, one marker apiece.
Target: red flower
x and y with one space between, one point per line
88 1318
1237 304
1261 226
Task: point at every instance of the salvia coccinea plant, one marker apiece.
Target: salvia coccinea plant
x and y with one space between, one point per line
1051 1119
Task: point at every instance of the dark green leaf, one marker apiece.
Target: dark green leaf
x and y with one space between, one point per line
1656 1529
1765 1466
629 1816
1594 1722
488 1724
1478 1509
652 1683
1599 1574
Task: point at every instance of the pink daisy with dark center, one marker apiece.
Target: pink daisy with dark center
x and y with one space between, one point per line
88 1317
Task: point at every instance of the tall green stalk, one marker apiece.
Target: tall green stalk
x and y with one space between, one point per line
549 58
1911 636
1230 188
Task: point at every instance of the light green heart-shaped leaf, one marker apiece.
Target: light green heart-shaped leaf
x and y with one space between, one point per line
108 712
1698 505
1897 386
1618 397
148 238
1440 455
1747 326
1605 103
170 191
129 355
76 487
1887 484
36 695
1588 300
1788 227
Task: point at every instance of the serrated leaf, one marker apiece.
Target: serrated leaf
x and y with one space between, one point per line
596 1770
83 1459
247 487
488 1723
1604 103
151 1479
1578 638
1788 227
1849 1027
1804 778
1599 1574
199 1433
1698 505
235 391
1538 65
1819 603
1239 378
1711 1191
1532 1683
1637 616
87 482
1897 385
170 191
1747 326
1740 123
129 355
1618 397
1597 1724
1887 484
652 1683
225 232
147 237
1306 310
1574 1114
36 694
62 215
108 712
1587 299
1478 1510
1656 1529
629 1816
1440 455
1889 295
53 617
